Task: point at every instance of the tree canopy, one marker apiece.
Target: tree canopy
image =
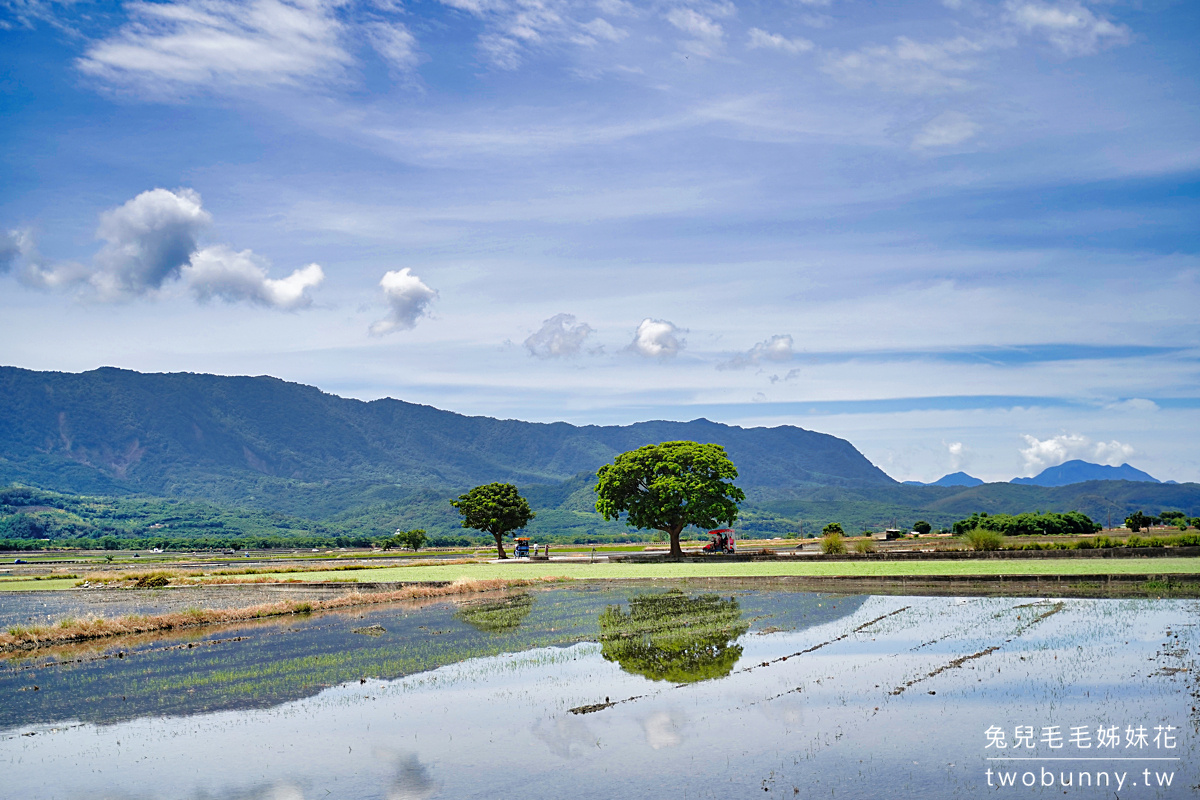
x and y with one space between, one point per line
1028 524
495 508
669 486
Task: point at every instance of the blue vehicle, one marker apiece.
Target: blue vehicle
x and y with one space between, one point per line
522 549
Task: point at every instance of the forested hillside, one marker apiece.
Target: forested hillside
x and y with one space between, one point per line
126 454
242 439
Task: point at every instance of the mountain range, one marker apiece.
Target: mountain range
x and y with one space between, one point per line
1079 471
264 443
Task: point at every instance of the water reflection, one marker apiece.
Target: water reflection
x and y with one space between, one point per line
663 728
497 616
674 637
412 781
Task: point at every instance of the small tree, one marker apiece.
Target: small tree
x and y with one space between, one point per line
833 527
922 527
414 539
1136 521
669 486
496 508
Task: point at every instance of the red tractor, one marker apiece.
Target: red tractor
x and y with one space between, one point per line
723 541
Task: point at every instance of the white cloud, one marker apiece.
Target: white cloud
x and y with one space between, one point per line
513 27
1069 26
603 29
396 44
760 39
230 275
693 22
10 249
152 241
777 348
1135 404
708 35
957 455
408 298
558 337
148 240
1042 453
657 338
907 66
170 45
946 129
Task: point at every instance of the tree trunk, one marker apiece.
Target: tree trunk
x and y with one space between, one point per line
500 544
673 532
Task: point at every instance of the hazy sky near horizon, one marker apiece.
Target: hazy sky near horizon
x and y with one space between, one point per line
961 234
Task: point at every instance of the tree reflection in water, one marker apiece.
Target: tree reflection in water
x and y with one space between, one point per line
497 616
673 637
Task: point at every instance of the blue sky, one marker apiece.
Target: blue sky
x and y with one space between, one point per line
961 234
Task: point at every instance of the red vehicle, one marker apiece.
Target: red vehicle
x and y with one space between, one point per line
723 541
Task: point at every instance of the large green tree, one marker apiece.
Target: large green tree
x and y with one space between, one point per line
496 508
669 486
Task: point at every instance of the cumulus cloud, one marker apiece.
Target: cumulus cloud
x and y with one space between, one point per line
167 45
957 455
657 338
233 276
558 337
1042 453
946 129
153 241
777 348
907 66
1069 26
148 240
408 299
760 39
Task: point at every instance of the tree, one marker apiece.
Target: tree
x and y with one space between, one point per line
1136 521
922 527
496 508
833 527
668 486
414 539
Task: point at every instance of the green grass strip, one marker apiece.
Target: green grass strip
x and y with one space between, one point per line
1106 566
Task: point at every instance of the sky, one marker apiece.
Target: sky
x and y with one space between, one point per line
962 235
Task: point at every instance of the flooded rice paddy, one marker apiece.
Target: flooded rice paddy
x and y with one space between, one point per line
631 691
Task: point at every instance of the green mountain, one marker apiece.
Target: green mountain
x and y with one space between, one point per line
288 459
112 430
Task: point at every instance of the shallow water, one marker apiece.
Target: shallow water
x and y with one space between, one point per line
887 697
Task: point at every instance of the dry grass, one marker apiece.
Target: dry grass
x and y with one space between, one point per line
73 630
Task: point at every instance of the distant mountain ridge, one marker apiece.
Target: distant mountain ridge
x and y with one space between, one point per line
213 437
1078 471
953 479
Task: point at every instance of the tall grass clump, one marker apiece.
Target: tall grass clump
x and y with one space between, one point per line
864 546
981 539
833 543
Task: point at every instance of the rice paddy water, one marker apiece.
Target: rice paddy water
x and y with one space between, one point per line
602 691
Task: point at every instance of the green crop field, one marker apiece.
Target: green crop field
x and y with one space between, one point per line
518 569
